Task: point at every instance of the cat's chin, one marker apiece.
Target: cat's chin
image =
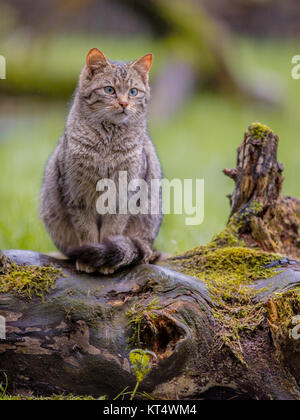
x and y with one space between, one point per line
120 118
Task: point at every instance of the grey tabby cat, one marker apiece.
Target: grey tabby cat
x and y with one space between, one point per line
105 133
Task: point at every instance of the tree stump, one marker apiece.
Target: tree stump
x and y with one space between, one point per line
263 217
221 318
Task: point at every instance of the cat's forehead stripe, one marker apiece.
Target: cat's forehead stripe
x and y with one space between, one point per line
122 77
122 70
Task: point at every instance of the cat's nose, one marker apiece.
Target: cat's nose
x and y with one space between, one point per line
123 104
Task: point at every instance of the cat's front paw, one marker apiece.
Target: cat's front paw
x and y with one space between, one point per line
106 270
85 268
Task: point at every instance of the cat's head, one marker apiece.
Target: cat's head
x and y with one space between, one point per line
114 91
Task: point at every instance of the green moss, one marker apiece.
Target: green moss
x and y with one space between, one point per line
282 308
259 131
287 305
53 397
239 220
228 271
256 207
79 307
28 281
227 238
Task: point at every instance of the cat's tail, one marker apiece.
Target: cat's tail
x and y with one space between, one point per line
115 252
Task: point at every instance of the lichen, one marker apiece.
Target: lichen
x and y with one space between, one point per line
259 131
28 281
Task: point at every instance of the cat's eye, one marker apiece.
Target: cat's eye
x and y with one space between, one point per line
109 89
133 92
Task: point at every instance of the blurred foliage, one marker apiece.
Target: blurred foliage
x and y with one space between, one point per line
197 37
8 19
50 66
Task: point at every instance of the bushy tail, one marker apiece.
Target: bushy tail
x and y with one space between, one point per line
115 252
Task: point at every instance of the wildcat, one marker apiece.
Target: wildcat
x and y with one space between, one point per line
105 132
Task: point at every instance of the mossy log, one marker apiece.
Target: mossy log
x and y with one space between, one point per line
76 340
221 318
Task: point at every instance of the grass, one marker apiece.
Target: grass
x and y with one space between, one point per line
197 143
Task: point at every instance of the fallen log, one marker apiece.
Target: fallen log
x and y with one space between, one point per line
221 318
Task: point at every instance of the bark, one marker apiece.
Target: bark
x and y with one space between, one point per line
77 340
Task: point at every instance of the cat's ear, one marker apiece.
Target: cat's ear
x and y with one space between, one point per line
95 60
143 64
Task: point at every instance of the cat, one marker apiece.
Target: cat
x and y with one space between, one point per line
105 133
